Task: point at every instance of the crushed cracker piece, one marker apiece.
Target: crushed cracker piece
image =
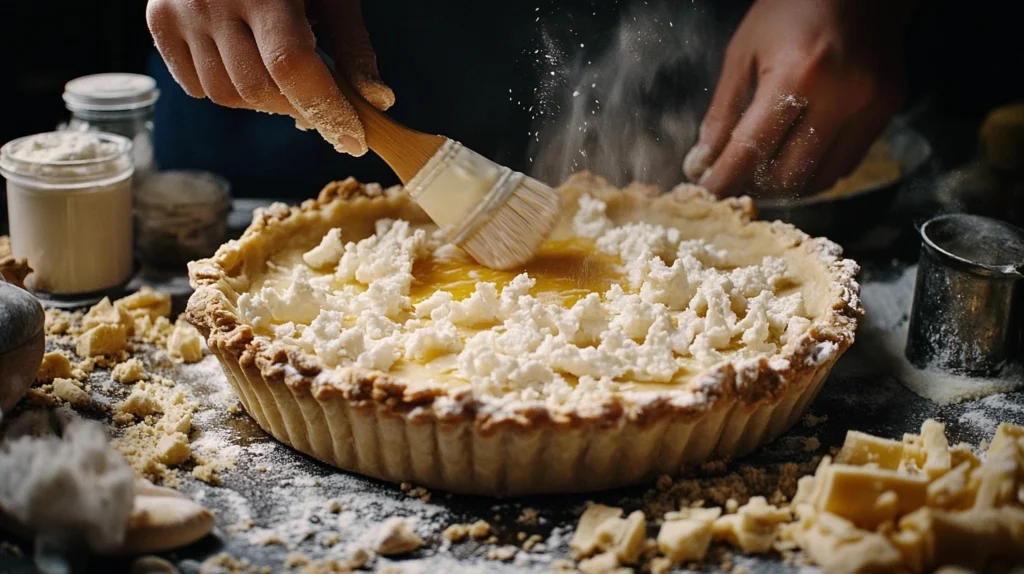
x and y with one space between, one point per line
69 391
103 339
130 371
55 365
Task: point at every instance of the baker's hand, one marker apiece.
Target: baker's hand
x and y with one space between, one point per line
826 77
261 55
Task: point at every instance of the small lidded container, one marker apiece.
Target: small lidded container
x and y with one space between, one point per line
69 203
119 104
180 216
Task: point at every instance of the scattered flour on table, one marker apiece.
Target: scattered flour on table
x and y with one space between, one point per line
883 337
986 414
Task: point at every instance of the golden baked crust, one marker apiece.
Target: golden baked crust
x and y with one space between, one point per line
374 423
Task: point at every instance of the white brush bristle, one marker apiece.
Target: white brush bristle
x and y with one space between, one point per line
514 232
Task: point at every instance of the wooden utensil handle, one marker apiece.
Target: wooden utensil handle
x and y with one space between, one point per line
382 132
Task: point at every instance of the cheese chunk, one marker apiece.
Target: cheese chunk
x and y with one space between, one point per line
861 448
1005 435
839 547
853 491
953 490
585 540
687 535
938 460
623 536
754 527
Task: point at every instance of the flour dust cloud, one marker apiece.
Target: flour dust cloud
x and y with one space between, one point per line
630 110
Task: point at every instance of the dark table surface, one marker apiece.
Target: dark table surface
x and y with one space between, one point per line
285 494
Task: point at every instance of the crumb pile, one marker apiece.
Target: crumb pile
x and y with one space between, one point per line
109 360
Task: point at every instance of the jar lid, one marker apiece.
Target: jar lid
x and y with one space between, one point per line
183 188
111 92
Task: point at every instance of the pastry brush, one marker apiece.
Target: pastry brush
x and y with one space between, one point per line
499 216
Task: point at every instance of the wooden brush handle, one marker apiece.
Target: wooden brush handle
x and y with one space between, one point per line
405 150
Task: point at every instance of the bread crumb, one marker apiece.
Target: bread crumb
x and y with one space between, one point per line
502 554
397 535
532 542
605 563
153 331
295 559
357 557
811 444
334 506
811 421
70 392
271 539
243 526
331 539
130 371
528 516
456 532
55 365
479 529
140 403
173 449
39 396
224 562
660 565
209 465
57 322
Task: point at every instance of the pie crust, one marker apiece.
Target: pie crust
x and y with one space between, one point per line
375 424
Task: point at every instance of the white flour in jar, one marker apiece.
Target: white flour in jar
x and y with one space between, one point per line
69 206
63 146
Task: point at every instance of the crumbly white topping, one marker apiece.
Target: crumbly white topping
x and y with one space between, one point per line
672 312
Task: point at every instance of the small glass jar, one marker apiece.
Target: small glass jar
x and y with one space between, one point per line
70 215
180 216
119 104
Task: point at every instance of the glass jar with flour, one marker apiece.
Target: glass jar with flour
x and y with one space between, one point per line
69 204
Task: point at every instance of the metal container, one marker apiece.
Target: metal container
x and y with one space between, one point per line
968 308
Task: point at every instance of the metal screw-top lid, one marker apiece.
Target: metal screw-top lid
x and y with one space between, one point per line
110 92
